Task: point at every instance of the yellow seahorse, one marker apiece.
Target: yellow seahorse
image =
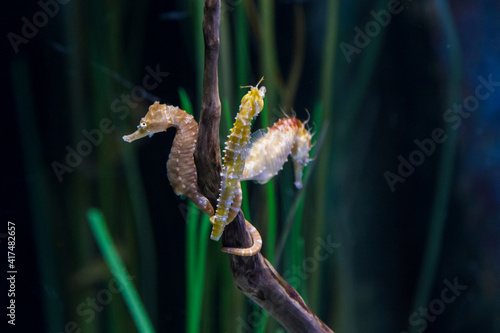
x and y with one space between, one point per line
235 154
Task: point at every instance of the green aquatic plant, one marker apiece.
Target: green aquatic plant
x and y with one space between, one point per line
117 268
197 230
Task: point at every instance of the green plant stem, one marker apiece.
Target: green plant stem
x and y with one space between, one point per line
296 67
226 113
324 166
352 105
193 306
226 85
196 250
298 246
445 171
143 224
242 48
268 58
117 268
270 67
196 11
143 229
271 234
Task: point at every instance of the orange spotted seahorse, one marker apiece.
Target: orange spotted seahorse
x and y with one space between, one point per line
269 152
266 157
235 154
181 170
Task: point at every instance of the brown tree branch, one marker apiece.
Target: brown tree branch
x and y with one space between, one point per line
259 281
207 154
254 276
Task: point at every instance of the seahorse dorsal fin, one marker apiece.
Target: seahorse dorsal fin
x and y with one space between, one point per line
255 136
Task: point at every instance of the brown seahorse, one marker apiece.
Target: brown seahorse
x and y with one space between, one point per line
181 169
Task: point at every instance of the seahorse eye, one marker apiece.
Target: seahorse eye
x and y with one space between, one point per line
143 124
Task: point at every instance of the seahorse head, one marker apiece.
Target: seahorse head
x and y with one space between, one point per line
256 97
259 94
300 152
158 119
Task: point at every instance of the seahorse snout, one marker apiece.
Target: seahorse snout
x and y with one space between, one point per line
140 133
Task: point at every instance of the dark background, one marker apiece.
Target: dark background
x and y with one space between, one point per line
397 247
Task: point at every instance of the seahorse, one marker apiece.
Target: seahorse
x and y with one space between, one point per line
181 169
300 152
254 249
235 154
269 152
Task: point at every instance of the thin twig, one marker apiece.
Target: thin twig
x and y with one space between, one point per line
207 155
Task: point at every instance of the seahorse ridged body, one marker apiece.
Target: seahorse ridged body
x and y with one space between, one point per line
181 170
268 154
235 154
